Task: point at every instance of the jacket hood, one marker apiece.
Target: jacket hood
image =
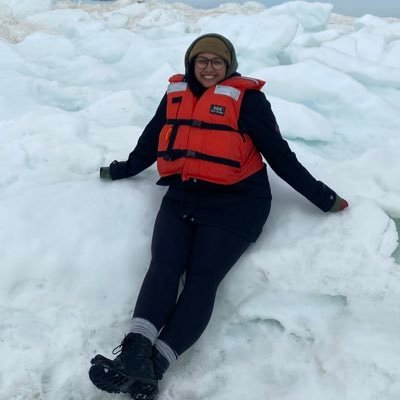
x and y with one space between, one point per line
232 67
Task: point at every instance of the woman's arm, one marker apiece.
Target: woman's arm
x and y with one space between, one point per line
258 121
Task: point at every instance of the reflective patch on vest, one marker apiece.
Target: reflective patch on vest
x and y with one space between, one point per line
177 87
216 109
227 91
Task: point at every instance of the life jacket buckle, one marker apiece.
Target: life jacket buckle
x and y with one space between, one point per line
191 154
196 123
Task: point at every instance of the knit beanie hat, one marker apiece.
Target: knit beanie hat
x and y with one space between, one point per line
212 45
215 44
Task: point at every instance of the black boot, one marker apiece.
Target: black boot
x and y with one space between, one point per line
130 372
160 364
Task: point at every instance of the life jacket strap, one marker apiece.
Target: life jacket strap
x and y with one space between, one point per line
179 153
200 124
176 123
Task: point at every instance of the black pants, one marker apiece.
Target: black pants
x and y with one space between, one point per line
206 253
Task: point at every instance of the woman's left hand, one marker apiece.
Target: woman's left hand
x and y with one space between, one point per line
339 205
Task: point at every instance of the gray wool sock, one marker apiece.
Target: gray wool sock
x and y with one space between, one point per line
167 351
145 328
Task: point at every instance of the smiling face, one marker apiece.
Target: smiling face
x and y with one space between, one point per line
209 69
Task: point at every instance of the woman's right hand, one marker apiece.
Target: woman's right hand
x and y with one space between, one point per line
116 170
105 173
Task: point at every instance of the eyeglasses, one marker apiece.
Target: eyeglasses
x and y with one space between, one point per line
216 63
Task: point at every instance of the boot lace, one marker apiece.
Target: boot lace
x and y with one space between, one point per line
118 349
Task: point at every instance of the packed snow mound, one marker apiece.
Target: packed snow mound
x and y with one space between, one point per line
311 16
23 8
79 82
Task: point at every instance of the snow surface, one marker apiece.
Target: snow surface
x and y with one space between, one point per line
310 313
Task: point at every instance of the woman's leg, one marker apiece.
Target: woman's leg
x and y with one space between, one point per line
171 250
214 253
133 370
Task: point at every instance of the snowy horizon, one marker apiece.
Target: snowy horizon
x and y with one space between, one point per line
355 8
310 312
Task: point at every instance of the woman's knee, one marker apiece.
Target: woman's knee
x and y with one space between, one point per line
163 271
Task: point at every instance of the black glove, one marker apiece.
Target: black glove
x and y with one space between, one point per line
116 170
105 173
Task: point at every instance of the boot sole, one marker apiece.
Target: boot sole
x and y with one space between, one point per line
105 376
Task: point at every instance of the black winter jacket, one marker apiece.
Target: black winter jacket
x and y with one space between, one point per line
244 206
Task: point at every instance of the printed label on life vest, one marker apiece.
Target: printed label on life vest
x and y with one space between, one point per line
215 109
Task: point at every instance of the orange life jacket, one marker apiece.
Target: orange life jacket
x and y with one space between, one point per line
201 138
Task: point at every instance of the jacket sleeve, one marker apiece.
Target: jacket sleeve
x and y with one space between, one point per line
258 121
145 152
